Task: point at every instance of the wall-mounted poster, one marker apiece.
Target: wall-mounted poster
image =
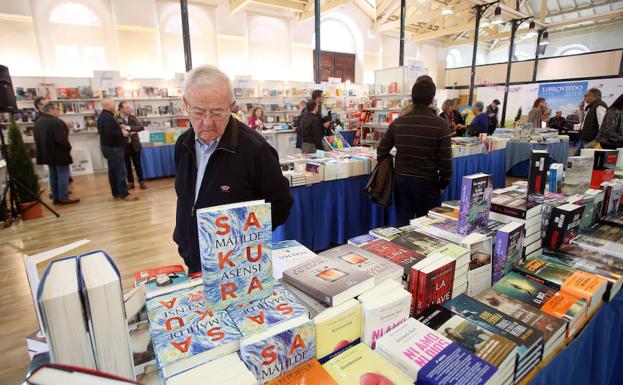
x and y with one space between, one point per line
563 97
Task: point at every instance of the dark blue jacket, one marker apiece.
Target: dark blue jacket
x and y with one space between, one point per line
110 130
480 125
244 167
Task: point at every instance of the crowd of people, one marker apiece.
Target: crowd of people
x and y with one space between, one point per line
118 133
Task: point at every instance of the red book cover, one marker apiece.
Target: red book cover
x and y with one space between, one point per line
435 284
400 255
600 176
160 276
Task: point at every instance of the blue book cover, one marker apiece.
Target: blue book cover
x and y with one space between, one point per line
455 365
182 327
362 240
475 203
235 243
525 336
507 249
273 355
260 315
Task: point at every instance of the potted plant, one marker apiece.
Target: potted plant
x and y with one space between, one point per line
21 168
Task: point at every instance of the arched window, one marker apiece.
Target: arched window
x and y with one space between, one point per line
74 14
330 29
571 49
454 58
269 56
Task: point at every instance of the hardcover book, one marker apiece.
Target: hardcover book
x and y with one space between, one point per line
418 350
507 249
337 329
185 332
310 372
272 353
160 277
495 349
263 314
286 254
365 261
475 202
235 244
537 175
331 281
564 225
361 365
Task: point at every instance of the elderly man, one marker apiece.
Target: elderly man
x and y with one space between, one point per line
133 148
113 140
54 150
480 124
592 112
219 160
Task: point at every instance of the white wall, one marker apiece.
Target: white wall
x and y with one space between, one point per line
142 39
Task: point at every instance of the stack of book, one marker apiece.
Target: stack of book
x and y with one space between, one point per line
577 175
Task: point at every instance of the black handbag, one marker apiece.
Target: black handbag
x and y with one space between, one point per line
380 186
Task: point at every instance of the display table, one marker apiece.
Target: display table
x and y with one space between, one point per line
518 155
332 212
158 161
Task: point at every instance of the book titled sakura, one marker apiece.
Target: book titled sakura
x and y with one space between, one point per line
235 243
475 203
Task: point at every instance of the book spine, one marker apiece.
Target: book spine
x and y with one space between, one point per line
508 211
310 290
422 293
466 205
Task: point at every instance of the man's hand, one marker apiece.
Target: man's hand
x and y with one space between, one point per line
125 132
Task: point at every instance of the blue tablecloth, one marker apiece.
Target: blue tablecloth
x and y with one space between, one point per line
518 155
158 161
332 212
595 357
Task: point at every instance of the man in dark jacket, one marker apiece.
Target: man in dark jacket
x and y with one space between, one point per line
39 103
557 122
219 161
133 148
53 149
312 130
492 114
423 154
592 112
113 140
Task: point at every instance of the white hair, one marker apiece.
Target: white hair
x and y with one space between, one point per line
207 76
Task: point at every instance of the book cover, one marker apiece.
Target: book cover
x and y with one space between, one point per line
419 242
265 313
159 277
525 336
517 286
537 175
324 278
480 264
308 373
489 346
235 244
435 283
514 204
507 249
444 212
391 251
362 240
553 328
567 307
475 202
454 359
274 355
286 254
383 314
182 326
388 233
556 177
361 365
564 225
577 174
365 261
338 329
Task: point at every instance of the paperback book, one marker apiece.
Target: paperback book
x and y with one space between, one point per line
400 255
310 372
160 277
337 329
480 264
556 177
475 202
366 262
235 244
362 240
507 249
577 175
388 233
419 242
537 175
286 254
564 225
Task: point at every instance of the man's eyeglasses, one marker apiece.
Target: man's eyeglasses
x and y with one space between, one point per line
216 114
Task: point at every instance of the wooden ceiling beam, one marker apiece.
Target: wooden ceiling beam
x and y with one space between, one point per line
367 8
325 6
236 5
289 5
412 18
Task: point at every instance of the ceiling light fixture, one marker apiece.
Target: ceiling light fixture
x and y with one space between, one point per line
532 32
497 16
447 11
544 38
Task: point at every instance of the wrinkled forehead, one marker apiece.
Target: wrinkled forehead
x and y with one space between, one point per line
213 96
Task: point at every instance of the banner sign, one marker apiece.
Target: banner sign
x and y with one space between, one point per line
563 97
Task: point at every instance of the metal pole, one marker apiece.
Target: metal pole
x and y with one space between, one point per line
472 79
509 65
401 58
188 60
536 54
318 74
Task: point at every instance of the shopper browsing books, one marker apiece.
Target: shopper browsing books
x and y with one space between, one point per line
539 113
220 161
133 148
592 113
448 114
256 120
480 123
611 132
113 140
423 157
53 149
311 129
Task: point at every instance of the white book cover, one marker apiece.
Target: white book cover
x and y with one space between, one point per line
287 254
384 313
479 274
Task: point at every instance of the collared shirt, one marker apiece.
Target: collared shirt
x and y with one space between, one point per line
203 153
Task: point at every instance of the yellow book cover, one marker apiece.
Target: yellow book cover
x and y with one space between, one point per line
337 329
361 365
309 373
585 285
